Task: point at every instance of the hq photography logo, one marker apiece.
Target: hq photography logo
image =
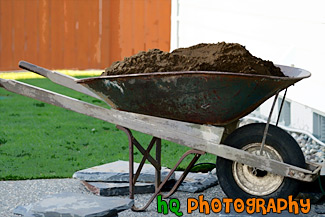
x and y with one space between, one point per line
250 206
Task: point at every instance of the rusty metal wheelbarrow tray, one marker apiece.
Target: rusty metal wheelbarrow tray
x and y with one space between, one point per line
217 98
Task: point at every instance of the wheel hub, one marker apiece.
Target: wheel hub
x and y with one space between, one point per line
254 181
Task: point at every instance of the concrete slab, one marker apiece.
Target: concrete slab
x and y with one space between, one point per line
193 183
196 182
118 171
116 189
75 205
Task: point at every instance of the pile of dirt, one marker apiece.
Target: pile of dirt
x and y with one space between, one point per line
222 57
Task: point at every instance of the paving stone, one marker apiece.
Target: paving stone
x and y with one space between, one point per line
196 182
75 205
116 189
118 171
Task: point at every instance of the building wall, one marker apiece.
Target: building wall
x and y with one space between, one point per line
80 34
287 32
301 116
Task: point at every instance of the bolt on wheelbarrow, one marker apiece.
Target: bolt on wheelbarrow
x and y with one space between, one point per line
199 110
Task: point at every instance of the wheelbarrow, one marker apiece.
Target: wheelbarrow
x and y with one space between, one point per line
199 110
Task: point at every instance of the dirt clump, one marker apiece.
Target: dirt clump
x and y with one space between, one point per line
222 57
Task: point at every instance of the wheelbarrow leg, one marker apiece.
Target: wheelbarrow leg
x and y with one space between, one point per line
146 156
157 164
158 158
172 191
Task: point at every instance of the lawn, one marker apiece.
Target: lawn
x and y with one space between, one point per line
38 140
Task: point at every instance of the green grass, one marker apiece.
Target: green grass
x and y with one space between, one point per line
38 140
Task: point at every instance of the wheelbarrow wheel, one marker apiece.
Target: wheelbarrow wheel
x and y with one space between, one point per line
241 181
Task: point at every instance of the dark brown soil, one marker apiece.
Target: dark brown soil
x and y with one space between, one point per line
223 57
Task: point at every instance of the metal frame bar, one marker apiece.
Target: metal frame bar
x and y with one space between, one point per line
282 102
157 164
268 123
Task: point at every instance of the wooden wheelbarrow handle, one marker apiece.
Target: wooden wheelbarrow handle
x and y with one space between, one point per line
58 78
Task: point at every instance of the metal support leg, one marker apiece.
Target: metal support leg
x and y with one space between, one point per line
283 99
131 160
196 157
183 176
158 159
157 164
268 124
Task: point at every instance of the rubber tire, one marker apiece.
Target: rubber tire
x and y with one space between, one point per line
280 140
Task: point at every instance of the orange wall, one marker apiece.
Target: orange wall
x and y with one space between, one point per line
80 34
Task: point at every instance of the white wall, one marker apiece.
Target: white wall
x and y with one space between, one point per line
301 116
287 32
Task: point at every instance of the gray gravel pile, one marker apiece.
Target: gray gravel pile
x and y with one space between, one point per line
313 151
